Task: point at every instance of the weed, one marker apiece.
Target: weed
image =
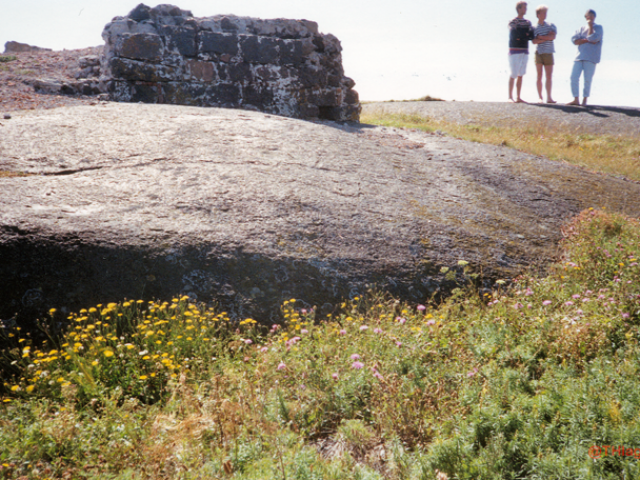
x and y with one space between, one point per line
513 383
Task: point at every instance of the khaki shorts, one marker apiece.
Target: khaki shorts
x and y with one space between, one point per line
544 58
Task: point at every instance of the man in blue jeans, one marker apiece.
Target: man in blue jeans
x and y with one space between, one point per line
589 42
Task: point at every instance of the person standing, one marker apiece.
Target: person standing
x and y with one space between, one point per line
545 33
520 32
589 42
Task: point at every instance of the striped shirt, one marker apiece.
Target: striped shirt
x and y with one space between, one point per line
542 30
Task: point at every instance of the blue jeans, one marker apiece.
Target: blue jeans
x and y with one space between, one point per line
579 66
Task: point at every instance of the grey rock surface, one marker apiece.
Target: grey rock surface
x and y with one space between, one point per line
17 47
247 209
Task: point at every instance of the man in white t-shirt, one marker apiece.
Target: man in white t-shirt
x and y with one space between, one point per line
545 33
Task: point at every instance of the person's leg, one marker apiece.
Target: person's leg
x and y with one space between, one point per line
589 70
539 78
548 71
519 89
512 76
575 82
512 81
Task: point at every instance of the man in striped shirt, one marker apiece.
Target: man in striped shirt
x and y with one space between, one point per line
520 32
545 33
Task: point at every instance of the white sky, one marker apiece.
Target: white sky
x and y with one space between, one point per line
401 49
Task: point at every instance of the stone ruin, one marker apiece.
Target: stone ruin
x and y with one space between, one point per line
285 67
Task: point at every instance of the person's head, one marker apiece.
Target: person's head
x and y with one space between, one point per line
590 16
521 8
541 12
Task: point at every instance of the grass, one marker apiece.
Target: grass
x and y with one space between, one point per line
610 154
515 383
7 58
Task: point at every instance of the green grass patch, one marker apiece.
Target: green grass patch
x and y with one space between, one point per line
611 154
7 58
516 383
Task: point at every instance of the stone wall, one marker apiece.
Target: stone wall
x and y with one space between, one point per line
285 67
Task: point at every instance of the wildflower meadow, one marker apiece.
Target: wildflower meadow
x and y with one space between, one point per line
520 382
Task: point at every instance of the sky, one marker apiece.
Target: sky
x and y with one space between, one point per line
393 49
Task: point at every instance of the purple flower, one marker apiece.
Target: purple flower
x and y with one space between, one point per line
625 315
518 306
401 320
431 322
421 308
355 356
529 292
334 376
576 296
398 344
304 331
264 349
377 330
363 328
378 376
248 341
357 365
569 303
546 302
281 366
343 332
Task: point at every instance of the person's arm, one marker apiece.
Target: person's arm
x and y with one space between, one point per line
596 36
578 38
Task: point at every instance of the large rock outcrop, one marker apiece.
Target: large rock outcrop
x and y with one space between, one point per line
285 67
249 209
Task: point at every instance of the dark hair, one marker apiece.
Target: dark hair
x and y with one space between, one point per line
592 12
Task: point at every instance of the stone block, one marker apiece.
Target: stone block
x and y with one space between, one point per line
257 49
201 71
291 52
257 96
218 43
181 39
140 46
125 69
185 93
236 73
224 94
352 97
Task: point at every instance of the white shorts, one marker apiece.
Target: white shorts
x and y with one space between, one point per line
518 64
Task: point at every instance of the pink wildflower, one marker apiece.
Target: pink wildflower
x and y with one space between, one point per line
421 308
546 302
357 365
377 330
355 356
431 322
248 341
398 344
569 303
401 320
334 376
304 331
264 349
281 366
363 328
343 332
